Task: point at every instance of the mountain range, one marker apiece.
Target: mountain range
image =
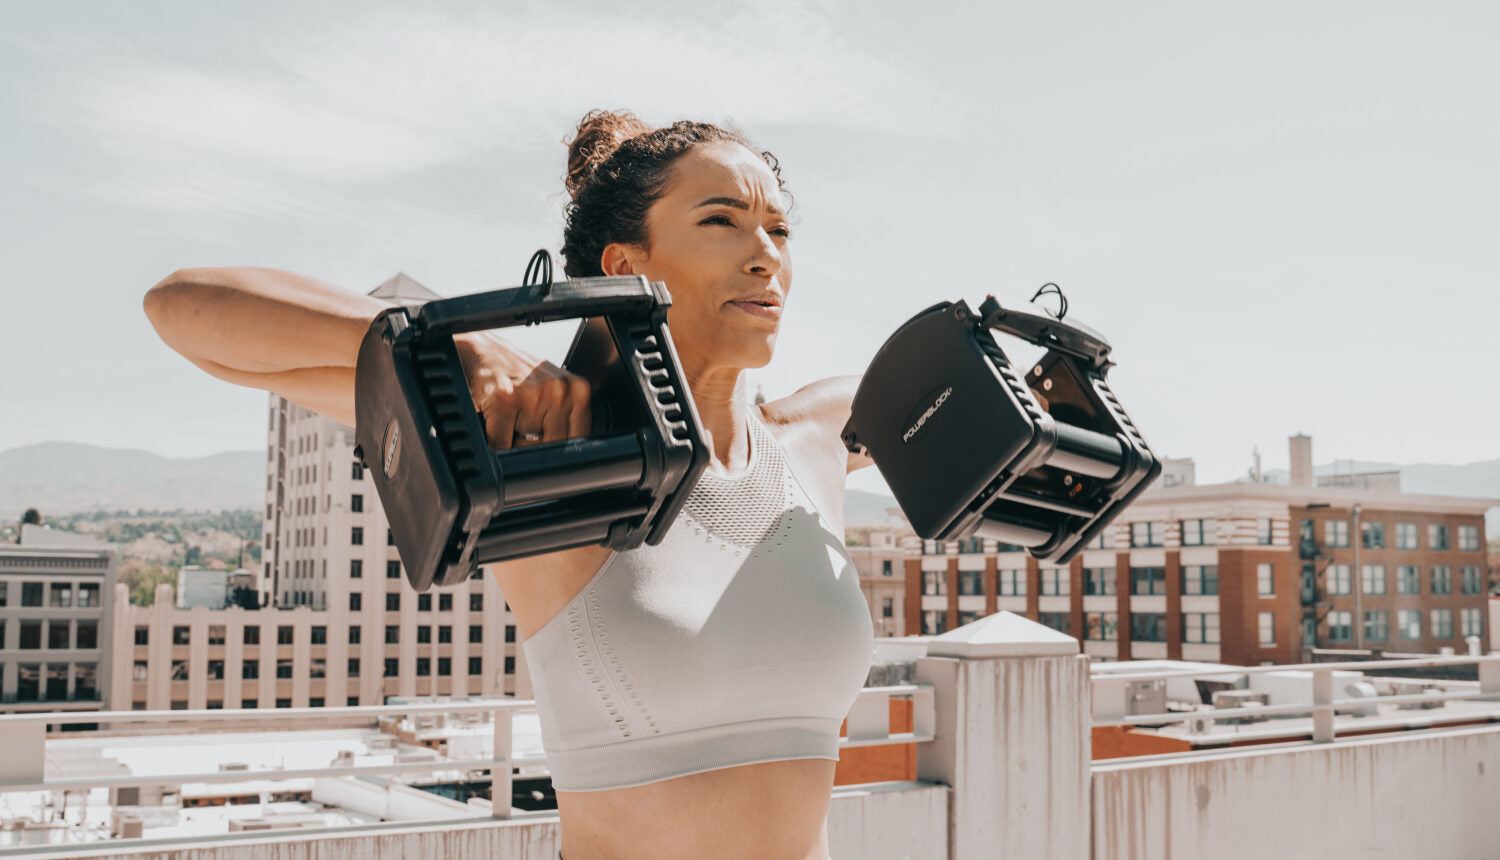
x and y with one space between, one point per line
71 477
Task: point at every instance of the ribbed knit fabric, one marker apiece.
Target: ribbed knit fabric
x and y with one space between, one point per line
743 637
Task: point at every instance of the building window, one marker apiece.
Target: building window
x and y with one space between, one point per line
1468 538
1148 627
1437 537
1339 581
356 504
1200 628
356 568
284 634
356 602
445 602
1336 533
424 602
1406 535
1442 579
142 635
475 667
28 682
1055 583
392 634
1200 579
1101 626
476 635
971 546
1340 626
390 539
1407 581
215 670
250 670
31 594
283 668
887 608
85 682
930 547
358 473
393 602
1148 580
58 635
251 635
31 636
934 582
1267 622
424 667
886 568
392 666
1473 583
1265 579
88 595
353 668
424 635
1146 534
445 667
393 570
354 634
1372 578
1442 624
1375 625
970 582
1410 622
1200 532
357 535
1056 620
510 633
62 594
181 635
87 635
1473 623
1012 582
967 617
1263 531
1099 581
934 621
1104 540
318 635
1372 535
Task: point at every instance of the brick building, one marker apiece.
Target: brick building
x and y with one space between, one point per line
1236 573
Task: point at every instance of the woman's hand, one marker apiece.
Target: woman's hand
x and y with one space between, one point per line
522 399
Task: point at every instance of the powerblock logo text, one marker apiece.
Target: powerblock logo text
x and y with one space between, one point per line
916 427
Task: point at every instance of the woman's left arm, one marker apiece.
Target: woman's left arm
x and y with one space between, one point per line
823 406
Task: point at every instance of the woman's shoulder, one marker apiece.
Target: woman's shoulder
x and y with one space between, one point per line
817 410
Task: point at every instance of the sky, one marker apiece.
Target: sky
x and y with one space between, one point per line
1282 215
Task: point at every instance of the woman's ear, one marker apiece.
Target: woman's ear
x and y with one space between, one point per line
620 259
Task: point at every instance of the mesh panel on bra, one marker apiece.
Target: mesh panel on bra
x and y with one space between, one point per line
744 509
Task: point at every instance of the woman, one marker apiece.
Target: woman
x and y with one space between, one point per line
690 693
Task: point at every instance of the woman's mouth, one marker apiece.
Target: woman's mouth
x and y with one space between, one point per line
766 310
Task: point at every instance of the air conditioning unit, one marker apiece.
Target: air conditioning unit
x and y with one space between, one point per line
1417 690
1146 697
1226 699
125 826
1361 690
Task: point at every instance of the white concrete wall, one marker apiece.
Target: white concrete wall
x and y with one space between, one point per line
1416 794
882 821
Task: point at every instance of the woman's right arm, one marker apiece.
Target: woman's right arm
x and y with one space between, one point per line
299 337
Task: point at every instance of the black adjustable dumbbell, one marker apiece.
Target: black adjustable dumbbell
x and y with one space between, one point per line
968 450
453 503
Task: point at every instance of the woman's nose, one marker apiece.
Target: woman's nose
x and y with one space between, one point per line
767 257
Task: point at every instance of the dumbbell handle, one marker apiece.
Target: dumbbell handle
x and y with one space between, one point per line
1086 452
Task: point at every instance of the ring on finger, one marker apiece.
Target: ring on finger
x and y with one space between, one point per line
528 437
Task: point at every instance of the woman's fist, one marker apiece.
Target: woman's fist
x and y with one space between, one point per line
522 399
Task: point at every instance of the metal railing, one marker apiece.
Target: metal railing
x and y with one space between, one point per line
1111 695
23 738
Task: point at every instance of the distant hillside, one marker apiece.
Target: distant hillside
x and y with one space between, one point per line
69 477
866 509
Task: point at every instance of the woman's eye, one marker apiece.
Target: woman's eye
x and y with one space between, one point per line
782 231
717 219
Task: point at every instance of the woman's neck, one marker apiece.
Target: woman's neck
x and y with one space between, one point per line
719 395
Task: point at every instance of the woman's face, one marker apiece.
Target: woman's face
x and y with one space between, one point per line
719 241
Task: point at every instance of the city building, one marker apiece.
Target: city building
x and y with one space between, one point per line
878 555
327 547
1242 573
56 591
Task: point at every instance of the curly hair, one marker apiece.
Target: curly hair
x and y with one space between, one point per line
617 167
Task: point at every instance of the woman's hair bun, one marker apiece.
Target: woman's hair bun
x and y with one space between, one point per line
600 133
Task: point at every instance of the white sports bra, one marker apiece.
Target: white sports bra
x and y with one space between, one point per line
743 637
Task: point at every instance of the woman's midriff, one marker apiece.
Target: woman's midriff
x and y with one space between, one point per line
768 811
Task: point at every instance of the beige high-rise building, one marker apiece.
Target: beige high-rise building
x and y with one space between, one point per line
339 623
878 554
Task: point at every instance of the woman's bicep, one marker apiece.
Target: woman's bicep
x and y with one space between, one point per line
826 405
